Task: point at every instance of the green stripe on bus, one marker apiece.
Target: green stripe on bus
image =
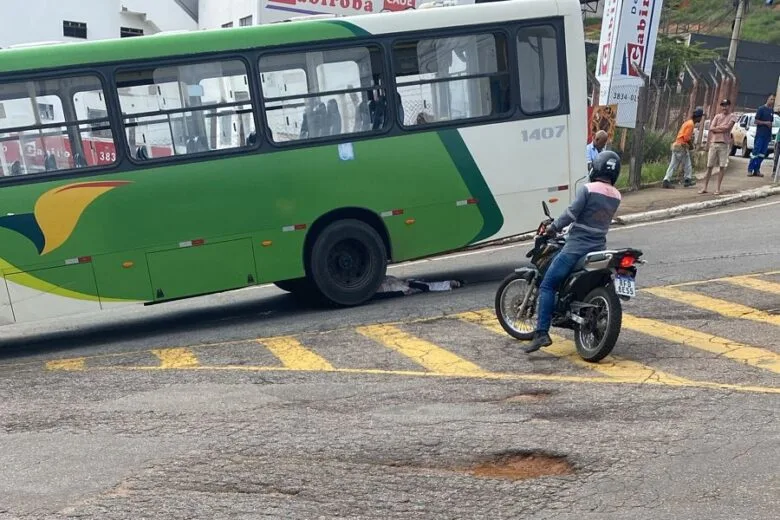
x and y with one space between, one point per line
354 29
472 176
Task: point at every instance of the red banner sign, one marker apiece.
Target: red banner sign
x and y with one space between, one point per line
399 5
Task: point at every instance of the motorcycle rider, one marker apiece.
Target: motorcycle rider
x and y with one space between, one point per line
590 216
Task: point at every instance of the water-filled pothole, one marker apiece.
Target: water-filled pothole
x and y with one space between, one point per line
522 465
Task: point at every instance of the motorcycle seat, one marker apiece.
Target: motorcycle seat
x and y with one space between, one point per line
596 256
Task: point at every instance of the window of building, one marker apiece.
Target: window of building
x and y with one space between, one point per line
74 29
538 64
180 110
450 79
245 21
323 93
227 25
129 32
54 125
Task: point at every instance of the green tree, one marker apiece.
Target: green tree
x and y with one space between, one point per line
671 55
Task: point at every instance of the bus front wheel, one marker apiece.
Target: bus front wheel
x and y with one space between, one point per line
348 262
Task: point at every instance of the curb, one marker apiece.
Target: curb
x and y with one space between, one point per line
660 214
693 207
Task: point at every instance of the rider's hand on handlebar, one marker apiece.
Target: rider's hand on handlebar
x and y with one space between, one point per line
549 229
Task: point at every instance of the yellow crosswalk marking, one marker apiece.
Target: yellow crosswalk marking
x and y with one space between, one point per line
176 358
755 284
722 307
612 366
753 356
426 354
67 364
722 279
294 355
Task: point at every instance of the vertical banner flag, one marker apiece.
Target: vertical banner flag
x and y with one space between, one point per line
629 30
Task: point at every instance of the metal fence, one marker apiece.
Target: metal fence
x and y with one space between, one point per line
663 106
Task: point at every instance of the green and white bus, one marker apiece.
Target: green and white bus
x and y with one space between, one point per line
308 154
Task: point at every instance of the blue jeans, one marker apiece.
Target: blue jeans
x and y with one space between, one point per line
680 156
760 149
559 269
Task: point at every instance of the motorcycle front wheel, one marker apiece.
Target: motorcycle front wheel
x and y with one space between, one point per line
596 338
516 320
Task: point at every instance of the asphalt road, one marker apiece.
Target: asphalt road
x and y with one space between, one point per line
246 405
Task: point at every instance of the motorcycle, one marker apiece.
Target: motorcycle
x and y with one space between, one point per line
588 300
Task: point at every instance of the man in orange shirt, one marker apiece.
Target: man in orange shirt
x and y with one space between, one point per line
681 149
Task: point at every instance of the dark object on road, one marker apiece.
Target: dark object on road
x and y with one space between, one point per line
393 286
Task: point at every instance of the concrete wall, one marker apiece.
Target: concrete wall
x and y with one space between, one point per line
215 13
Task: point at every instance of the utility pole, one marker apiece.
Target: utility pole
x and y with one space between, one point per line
736 32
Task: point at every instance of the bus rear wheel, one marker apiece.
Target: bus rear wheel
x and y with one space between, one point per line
348 263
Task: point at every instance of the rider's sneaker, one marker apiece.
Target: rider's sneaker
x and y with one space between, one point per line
541 339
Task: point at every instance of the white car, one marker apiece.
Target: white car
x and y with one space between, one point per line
743 134
706 133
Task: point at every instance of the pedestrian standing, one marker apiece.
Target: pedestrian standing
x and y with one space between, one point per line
593 149
764 119
681 151
718 138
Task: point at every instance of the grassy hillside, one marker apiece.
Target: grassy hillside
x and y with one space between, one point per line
762 23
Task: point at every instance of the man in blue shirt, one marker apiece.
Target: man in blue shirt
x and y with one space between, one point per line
596 147
764 119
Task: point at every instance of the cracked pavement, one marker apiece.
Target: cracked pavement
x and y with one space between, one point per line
230 430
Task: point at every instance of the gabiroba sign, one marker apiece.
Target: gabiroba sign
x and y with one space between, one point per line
629 29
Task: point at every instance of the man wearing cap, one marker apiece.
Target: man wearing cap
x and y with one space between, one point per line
719 135
681 150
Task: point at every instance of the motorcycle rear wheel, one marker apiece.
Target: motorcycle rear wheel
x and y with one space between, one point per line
597 337
509 297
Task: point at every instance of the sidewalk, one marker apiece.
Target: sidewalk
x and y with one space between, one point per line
735 181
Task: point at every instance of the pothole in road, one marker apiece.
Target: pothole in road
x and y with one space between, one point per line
522 465
528 397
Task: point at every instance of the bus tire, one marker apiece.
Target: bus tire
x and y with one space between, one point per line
348 263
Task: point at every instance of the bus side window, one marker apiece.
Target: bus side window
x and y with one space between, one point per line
55 124
538 64
186 109
325 93
448 79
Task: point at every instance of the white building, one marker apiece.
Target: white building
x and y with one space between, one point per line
235 13
30 21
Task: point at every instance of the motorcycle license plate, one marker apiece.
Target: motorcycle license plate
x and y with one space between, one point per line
625 286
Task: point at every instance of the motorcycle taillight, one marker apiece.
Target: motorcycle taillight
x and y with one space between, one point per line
627 261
